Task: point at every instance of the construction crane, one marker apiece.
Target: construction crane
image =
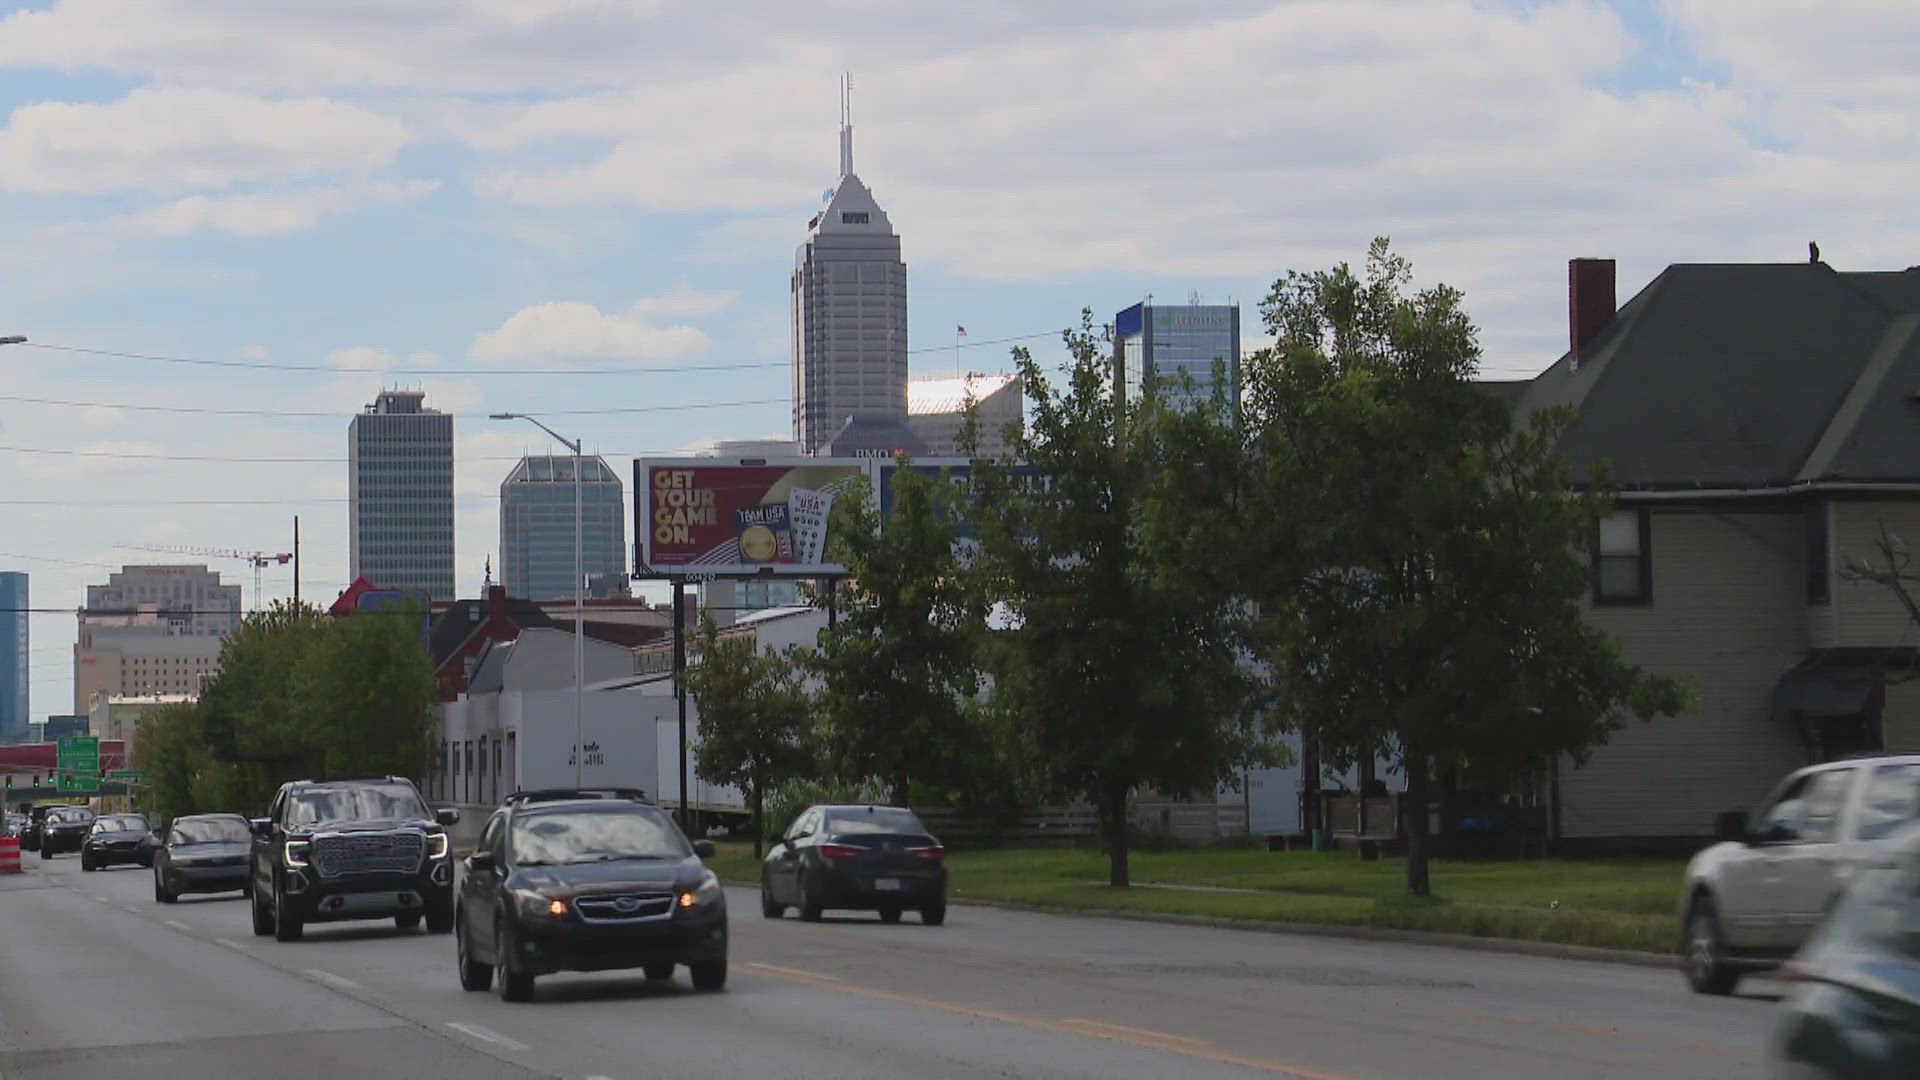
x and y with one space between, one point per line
256 559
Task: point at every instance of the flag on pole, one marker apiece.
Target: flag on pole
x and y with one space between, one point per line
959 331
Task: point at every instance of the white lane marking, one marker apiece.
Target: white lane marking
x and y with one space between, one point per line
180 926
331 979
129 909
486 1035
103 899
228 942
791 971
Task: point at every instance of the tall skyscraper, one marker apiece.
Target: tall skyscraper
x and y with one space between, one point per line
536 528
15 675
1162 341
400 495
849 312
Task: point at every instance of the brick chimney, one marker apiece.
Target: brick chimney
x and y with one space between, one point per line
1590 303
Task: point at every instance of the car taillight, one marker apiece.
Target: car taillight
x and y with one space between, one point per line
839 851
932 854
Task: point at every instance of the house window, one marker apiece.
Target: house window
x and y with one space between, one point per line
1819 573
1622 563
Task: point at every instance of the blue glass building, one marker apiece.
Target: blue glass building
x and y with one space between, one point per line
14 672
1159 343
536 529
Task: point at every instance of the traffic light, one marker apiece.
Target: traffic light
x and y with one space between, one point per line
36 780
9 781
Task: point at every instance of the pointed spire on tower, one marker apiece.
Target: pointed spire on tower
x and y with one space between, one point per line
846 124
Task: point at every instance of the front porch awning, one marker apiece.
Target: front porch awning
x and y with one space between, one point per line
1838 682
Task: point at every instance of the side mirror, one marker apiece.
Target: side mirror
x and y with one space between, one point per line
261 826
703 848
1731 825
480 860
447 815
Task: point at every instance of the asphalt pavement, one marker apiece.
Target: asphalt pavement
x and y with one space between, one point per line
98 980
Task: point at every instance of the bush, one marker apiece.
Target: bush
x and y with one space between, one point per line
788 800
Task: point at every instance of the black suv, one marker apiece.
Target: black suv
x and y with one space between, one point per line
587 880
65 828
334 850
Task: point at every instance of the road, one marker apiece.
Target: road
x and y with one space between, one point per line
98 980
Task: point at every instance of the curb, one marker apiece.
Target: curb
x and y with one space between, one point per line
1390 935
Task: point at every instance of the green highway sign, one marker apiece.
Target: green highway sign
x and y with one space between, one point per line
79 763
126 774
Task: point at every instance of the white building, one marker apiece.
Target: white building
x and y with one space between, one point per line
400 495
849 294
937 413
181 598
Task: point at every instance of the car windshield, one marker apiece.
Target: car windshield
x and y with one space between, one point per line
575 836
70 817
120 824
876 821
210 831
360 802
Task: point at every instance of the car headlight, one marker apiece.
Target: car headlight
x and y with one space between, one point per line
704 894
539 906
295 853
438 845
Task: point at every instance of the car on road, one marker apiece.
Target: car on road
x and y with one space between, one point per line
202 853
64 829
335 850
15 825
866 858
1852 1010
1759 894
587 880
117 839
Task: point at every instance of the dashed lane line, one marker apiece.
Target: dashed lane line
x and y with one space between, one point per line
180 926
790 971
328 977
229 943
486 1035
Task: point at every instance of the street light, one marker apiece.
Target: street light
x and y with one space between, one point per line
579 602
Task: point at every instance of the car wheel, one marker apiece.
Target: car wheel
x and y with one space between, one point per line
709 975
88 864
934 914
474 975
1706 964
160 890
262 917
809 907
46 852
440 918
767 907
889 914
407 920
513 985
658 972
286 925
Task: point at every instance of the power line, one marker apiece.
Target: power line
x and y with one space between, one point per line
199 410
122 455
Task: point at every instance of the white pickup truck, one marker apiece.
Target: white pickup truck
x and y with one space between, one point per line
1756 896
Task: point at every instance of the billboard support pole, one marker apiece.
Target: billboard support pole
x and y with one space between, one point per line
833 605
680 689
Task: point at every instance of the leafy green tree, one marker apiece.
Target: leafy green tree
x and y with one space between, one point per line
1426 559
171 747
1118 664
754 717
364 697
898 668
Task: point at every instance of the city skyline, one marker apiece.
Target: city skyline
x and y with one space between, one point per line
443 219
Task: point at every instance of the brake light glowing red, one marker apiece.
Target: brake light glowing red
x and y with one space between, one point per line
839 851
935 853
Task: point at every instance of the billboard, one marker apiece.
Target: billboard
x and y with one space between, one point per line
734 517
959 470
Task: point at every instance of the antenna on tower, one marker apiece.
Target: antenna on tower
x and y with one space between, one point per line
846 124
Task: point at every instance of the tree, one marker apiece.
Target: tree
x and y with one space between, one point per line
897 669
753 717
1120 662
1430 557
298 695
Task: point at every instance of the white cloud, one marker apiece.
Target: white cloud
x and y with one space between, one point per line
683 302
172 138
570 331
256 352
268 213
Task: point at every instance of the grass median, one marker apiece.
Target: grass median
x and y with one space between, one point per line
1607 903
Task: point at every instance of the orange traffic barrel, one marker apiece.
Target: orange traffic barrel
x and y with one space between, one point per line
9 854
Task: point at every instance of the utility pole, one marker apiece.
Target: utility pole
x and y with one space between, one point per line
296 560
680 689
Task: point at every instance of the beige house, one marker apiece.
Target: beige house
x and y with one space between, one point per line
1762 424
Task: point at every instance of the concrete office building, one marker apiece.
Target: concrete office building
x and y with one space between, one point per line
180 599
1161 342
536 529
400 495
937 413
139 659
849 313
15 674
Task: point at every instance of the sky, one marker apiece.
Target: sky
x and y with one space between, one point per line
588 209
